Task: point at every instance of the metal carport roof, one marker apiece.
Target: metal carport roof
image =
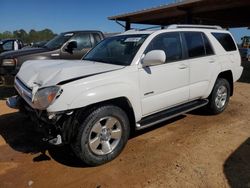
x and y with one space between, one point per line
226 13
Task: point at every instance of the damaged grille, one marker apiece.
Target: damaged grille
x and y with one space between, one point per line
23 90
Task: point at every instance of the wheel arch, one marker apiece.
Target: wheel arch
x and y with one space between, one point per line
228 75
121 102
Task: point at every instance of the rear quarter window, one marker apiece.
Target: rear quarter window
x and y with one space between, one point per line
226 41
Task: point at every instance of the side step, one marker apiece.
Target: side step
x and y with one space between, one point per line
170 113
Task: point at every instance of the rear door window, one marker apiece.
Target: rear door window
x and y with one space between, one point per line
195 44
226 41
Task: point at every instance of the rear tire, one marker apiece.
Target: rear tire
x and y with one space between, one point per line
219 97
102 135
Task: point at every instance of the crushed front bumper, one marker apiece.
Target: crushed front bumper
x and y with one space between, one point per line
56 131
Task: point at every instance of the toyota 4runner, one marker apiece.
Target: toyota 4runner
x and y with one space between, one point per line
130 81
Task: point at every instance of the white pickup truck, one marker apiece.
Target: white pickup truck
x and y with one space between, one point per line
130 81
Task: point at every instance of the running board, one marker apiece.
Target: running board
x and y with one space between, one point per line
170 113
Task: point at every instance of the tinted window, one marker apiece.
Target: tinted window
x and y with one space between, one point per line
168 42
97 38
83 41
195 44
8 46
225 40
208 47
58 41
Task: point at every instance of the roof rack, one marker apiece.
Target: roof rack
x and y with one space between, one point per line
175 26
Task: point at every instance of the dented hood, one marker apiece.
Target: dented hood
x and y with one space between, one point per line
44 73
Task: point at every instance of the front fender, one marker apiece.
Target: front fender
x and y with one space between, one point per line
74 98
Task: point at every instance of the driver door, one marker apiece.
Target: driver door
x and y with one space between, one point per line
83 46
165 85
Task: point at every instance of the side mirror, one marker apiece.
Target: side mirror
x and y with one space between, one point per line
154 57
71 46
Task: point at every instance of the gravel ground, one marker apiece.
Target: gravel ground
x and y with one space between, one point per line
193 150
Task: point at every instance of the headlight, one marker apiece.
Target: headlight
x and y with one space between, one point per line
9 62
46 96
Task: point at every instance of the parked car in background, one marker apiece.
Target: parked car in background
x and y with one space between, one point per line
245 48
245 54
10 44
38 44
68 45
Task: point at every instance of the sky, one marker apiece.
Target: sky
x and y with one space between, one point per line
62 15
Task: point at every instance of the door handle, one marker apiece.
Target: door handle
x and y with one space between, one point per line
182 66
55 55
211 61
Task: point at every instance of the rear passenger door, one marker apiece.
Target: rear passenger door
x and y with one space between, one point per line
166 85
202 62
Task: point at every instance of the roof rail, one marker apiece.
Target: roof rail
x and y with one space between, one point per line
175 26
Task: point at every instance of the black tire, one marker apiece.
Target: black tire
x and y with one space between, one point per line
82 144
213 106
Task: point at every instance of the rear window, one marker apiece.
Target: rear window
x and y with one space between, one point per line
226 41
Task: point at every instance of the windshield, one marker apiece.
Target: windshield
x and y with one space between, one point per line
58 41
119 50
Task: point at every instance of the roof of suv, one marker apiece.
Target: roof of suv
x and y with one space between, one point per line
177 27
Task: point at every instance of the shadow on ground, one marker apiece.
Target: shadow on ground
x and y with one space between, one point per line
22 135
6 92
245 77
237 166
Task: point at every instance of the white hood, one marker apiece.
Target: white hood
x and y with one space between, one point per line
51 72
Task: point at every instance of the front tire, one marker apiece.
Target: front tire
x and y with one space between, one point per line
102 135
219 97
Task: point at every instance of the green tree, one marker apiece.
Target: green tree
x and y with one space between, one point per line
6 34
21 34
31 36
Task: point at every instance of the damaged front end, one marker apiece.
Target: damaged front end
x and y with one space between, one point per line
57 127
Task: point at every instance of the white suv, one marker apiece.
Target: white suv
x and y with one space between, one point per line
130 81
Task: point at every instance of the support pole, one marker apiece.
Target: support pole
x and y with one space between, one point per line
189 18
127 26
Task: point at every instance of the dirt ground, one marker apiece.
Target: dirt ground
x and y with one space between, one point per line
193 150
